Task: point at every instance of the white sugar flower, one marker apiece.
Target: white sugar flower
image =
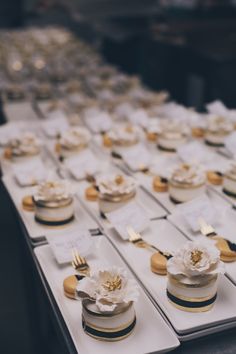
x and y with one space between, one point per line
196 259
108 287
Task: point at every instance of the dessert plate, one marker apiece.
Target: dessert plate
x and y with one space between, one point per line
154 211
225 226
219 191
166 237
151 333
35 230
15 111
163 197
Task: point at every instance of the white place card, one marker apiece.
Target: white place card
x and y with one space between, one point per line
131 215
55 124
216 107
198 208
230 143
30 172
124 109
83 164
139 117
63 243
195 152
100 122
136 157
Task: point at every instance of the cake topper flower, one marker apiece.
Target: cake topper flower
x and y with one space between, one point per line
116 184
196 259
108 288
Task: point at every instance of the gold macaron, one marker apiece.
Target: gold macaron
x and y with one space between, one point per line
160 184
91 194
28 203
159 263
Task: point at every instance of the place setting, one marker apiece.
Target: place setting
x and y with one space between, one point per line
184 278
102 304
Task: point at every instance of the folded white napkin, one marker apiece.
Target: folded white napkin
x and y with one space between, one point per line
55 124
85 163
131 215
98 122
30 172
136 156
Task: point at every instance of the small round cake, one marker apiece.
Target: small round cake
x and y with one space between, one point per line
229 181
54 205
218 128
26 146
108 312
192 276
123 135
115 191
173 134
186 183
73 141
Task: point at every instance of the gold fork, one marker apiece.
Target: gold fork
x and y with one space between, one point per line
79 263
138 241
227 248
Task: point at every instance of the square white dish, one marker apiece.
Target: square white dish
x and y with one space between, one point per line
165 236
34 229
150 323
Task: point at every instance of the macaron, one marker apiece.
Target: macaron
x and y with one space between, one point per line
159 264
28 203
69 285
160 184
227 249
91 194
198 132
107 141
8 153
151 136
215 177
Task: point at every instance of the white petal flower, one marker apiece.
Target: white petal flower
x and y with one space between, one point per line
109 287
196 259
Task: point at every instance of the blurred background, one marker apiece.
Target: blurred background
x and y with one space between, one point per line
187 47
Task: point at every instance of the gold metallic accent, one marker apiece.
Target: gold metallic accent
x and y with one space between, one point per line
119 179
193 310
121 308
118 197
114 284
53 204
110 339
196 256
204 284
79 263
191 299
185 185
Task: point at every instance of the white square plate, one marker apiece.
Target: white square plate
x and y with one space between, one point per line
166 237
151 333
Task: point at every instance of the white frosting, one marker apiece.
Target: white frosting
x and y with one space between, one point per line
25 144
173 129
219 125
52 191
75 138
188 174
125 133
116 184
109 287
196 259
